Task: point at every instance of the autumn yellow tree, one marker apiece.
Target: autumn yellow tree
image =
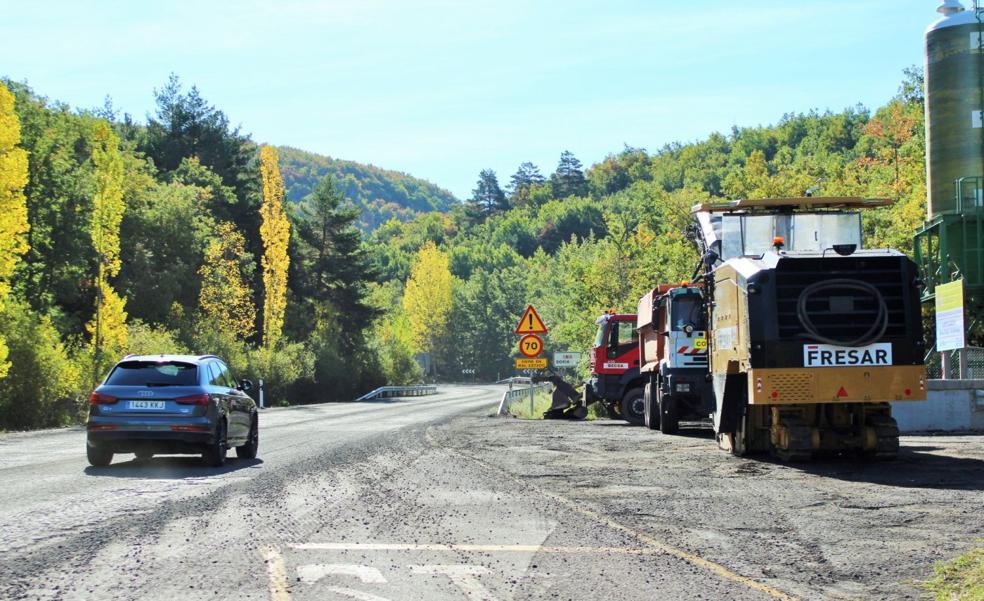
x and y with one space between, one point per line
13 204
108 325
225 297
427 296
275 234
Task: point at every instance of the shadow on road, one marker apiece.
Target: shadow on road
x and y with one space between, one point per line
170 468
915 467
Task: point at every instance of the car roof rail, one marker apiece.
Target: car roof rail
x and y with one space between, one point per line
208 356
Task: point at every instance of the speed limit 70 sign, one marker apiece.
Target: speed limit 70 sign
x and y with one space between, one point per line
530 345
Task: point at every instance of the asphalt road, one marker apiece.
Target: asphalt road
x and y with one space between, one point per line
346 501
431 499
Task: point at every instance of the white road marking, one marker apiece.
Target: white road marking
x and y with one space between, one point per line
463 576
361 596
315 572
468 548
277 574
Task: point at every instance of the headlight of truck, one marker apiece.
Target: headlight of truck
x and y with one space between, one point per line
685 387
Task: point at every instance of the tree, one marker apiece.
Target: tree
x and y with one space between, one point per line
527 176
108 327
568 179
275 234
427 297
13 203
187 126
55 276
332 266
164 234
891 128
487 197
226 298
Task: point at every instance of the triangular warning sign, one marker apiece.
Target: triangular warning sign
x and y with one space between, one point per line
530 323
842 392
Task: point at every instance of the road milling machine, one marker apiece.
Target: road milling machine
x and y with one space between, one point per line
809 334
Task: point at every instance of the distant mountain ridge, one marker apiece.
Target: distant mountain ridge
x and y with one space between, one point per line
382 194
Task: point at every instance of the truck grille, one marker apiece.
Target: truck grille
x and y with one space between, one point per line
840 314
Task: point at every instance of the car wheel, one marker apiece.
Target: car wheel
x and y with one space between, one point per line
98 457
248 450
214 454
634 407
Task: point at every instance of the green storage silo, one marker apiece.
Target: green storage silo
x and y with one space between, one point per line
954 99
950 245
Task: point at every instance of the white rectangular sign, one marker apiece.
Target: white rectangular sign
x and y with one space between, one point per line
616 365
950 316
566 359
828 355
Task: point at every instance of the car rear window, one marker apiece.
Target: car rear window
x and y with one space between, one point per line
152 373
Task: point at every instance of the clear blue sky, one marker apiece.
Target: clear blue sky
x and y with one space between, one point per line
442 89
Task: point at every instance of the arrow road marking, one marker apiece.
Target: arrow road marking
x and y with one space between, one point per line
463 576
314 572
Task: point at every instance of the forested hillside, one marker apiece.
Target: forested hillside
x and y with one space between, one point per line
379 194
585 240
173 235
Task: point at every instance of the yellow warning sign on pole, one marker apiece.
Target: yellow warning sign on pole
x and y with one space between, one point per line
531 323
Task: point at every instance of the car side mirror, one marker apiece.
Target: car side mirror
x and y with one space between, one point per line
245 385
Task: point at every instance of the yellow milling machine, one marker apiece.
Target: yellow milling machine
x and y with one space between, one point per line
810 335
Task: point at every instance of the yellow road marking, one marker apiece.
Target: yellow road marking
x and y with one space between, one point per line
642 537
277 573
466 548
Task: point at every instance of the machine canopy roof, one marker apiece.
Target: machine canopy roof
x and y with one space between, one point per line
805 203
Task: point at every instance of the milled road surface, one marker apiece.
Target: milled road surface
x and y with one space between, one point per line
431 499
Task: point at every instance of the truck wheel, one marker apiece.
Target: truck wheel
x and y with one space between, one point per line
669 423
634 407
652 408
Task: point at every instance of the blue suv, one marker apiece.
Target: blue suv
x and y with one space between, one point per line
164 404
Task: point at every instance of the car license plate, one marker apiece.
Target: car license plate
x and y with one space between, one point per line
145 405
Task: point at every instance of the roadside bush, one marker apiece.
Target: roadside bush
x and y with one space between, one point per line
45 387
394 348
280 367
145 339
208 340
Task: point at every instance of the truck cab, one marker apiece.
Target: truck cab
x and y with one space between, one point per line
614 360
673 356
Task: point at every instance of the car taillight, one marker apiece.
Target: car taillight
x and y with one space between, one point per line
98 398
195 399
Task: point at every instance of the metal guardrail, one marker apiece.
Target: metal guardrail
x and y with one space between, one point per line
384 392
518 393
516 380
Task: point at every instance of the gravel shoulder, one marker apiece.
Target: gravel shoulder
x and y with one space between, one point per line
832 529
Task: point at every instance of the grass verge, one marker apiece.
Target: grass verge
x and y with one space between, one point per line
541 403
521 407
960 579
